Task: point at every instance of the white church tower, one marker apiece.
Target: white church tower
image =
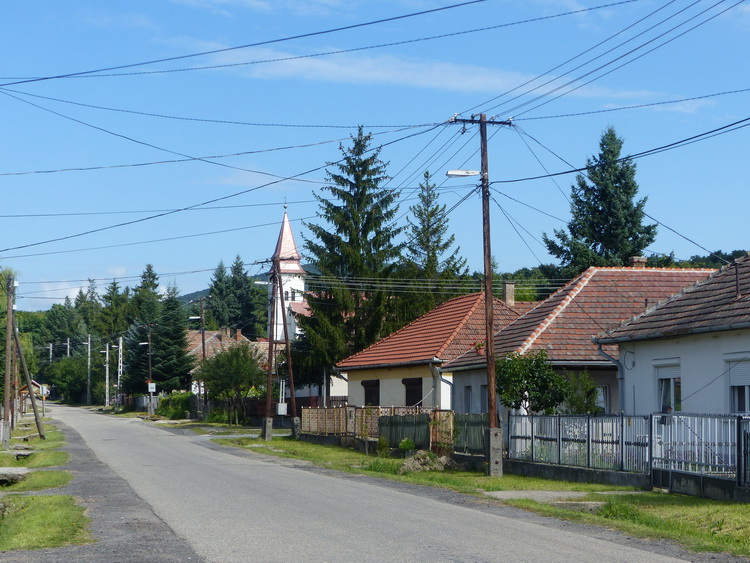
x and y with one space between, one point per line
292 284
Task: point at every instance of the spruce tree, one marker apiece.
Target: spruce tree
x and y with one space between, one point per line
428 259
221 304
606 227
354 246
171 363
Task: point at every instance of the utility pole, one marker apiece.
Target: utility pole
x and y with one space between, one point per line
119 371
29 384
106 375
88 370
68 352
267 433
496 467
8 358
293 400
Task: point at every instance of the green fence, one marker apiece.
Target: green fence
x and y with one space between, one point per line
416 427
470 433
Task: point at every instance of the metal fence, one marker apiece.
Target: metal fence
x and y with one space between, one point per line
618 443
470 433
743 459
694 443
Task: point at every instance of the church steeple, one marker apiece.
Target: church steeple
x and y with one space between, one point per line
292 281
286 250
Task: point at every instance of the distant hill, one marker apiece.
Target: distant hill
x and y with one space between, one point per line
196 295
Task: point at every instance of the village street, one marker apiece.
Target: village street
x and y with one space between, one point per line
210 504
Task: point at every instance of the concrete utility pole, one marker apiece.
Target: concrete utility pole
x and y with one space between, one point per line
267 432
496 460
88 370
8 359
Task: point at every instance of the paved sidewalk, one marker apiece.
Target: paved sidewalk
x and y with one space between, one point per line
124 527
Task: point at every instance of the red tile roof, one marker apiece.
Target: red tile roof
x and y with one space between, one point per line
592 303
722 302
445 332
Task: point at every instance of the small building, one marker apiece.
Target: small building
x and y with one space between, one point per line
692 352
564 324
403 369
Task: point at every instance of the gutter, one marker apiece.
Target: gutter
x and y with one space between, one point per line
436 379
620 375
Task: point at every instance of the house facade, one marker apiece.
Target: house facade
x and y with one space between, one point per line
403 369
564 324
691 353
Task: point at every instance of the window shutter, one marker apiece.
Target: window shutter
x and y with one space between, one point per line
739 373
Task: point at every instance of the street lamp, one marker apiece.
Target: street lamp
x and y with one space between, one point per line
202 318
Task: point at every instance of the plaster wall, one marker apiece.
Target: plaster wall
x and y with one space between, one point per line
703 370
392 390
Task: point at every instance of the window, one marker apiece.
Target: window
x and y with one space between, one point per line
739 386
294 294
467 399
602 398
413 390
670 388
372 392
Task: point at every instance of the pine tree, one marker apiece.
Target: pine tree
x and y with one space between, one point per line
146 298
88 305
112 319
251 306
426 258
354 242
606 227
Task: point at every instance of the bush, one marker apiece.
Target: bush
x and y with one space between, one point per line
407 444
174 406
216 415
384 447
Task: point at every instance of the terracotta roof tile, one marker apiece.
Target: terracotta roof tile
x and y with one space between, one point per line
721 302
445 332
592 303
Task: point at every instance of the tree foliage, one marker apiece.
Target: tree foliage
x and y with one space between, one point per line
354 242
606 226
232 375
527 381
429 259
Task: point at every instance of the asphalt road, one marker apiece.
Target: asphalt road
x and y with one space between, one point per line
161 495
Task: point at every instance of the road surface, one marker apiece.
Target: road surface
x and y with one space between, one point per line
215 504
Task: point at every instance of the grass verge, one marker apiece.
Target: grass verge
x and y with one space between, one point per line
40 522
695 523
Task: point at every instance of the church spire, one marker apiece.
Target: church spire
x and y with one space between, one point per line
290 260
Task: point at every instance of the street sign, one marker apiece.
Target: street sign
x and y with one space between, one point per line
152 387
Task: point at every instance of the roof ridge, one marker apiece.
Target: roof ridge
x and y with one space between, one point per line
477 298
577 286
403 328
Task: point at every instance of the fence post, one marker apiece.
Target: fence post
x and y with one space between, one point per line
588 441
740 453
559 441
622 441
651 447
533 454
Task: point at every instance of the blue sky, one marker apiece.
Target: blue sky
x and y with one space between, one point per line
82 154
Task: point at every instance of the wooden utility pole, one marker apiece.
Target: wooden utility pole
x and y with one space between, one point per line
495 435
267 433
29 384
290 371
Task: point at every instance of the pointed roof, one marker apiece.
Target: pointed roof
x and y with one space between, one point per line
722 302
443 333
597 300
286 250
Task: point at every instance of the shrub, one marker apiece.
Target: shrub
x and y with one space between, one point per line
174 406
407 444
384 447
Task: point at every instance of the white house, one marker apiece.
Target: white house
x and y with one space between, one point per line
692 352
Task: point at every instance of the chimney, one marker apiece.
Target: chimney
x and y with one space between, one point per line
637 262
509 293
238 335
224 334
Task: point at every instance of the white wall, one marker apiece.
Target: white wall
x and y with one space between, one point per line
702 359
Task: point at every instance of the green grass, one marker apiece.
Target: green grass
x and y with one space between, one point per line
697 524
45 458
39 480
41 522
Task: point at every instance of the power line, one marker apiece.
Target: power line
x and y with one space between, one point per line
257 44
313 55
